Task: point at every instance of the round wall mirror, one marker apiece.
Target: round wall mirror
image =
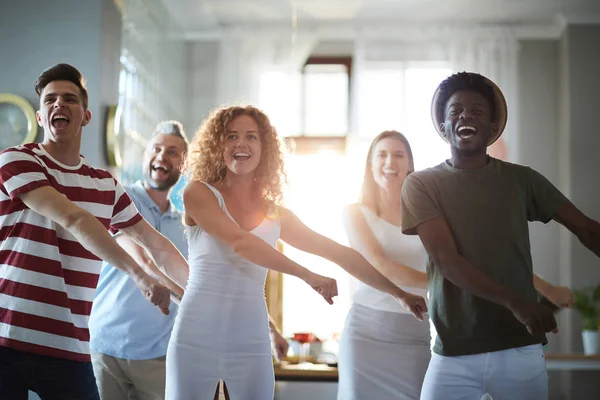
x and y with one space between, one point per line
17 121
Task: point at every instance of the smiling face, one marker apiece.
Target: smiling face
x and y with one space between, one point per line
62 113
390 163
163 159
243 146
468 123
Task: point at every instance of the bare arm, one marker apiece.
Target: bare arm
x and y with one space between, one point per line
93 236
560 296
439 243
203 208
145 261
295 233
362 239
281 345
164 253
586 229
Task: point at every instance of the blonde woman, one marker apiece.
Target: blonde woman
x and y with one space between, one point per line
234 218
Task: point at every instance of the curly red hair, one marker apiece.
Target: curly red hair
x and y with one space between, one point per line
205 155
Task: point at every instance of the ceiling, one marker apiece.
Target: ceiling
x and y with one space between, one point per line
212 15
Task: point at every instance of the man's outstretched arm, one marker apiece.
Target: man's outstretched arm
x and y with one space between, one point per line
440 245
586 229
94 237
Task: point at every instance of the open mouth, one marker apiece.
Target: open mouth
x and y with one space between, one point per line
389 173
60 121
241 156
466 131
160 169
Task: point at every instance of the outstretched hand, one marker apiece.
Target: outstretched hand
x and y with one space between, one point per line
326 287
560 296
281 344
415 304
157 293
536 317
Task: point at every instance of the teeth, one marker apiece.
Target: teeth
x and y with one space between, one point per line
241 154
467 127
390 171
59 117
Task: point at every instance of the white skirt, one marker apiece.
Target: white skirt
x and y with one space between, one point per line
383 355
220 338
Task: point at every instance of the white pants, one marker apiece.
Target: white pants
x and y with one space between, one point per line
518 373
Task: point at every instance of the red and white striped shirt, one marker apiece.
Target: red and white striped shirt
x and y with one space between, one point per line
47 279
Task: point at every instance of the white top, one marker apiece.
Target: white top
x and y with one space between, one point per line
405 249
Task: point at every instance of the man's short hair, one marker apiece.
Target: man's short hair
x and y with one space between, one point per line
171 127
464 81
62 72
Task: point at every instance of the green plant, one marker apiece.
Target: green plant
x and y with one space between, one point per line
587 302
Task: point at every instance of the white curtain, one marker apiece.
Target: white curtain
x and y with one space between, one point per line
491 51
497 58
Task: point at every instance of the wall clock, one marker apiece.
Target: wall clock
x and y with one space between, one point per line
18 124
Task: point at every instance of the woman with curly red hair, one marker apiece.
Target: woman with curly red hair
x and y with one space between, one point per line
234 217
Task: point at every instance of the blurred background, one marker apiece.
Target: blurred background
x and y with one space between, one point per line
332 74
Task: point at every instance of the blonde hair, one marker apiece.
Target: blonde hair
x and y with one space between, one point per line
205 157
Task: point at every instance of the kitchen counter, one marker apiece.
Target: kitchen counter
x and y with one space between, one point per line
570 362
324 373
316 373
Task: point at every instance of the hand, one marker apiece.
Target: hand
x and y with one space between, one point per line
560 296
157 293
536 317
281 344
415 304
326 287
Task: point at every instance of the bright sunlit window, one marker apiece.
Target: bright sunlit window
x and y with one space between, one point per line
325 105
322 183
280 98
399 98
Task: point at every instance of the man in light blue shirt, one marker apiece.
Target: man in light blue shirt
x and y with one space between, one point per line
128 335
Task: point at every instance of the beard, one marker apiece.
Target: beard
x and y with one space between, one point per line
164 185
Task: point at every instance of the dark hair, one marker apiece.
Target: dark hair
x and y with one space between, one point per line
62 72
369 195
171 127
464 81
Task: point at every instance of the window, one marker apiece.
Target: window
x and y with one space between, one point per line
398 96
320 185
151 82
133 119
323 181
325 100
311 102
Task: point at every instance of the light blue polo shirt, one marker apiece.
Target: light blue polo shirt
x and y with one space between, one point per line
123 323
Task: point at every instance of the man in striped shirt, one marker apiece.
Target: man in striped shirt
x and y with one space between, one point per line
55 213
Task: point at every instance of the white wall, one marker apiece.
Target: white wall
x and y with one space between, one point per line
37 34
202 82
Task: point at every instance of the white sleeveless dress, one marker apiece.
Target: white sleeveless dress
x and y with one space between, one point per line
384 350
222 329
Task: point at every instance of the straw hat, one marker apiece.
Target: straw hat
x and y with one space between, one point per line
501 110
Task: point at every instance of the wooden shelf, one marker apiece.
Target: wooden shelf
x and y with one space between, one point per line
572 362
572 357
318 372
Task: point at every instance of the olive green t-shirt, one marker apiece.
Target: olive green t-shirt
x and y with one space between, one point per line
487 210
